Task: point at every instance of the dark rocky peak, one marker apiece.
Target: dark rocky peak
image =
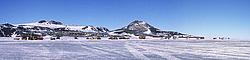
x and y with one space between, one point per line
140 26
55 22
138 23
102 29
50 22
42 21
7 25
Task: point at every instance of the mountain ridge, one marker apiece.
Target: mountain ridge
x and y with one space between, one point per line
56 28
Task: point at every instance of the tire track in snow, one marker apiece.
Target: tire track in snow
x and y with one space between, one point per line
53 50
181 51
55 54
96 50
31 51
135 52
162 54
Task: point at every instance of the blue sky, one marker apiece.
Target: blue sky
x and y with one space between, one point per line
198 17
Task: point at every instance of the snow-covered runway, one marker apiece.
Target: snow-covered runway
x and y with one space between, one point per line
124 50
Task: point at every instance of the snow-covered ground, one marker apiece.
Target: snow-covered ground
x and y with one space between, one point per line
124 50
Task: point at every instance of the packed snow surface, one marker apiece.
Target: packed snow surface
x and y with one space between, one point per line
124 50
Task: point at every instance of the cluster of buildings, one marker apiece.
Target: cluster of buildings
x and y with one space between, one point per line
93 36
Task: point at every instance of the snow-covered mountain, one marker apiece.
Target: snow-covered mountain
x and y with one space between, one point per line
46 27
142 28
50 27
55 24
137 27
43 23
86 28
